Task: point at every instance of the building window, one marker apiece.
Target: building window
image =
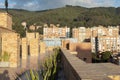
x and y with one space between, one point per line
28 49
39 49
84 59
20 51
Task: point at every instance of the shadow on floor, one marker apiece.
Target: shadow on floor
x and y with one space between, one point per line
4 75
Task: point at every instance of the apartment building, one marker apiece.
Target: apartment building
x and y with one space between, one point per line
56 32
81 33
101 38
106 43
105 39
102 31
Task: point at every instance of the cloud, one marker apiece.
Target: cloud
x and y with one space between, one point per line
49 4
93 3
38 4
1 5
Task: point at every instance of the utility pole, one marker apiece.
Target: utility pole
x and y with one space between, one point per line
6 5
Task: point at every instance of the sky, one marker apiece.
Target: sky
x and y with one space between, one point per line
34 5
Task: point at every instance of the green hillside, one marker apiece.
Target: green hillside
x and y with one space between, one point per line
72 16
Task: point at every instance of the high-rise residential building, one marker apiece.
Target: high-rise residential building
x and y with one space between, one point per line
102 31
101 38
56 32
105 39
106 43
81 33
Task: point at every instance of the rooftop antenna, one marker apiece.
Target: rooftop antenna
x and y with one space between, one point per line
6 5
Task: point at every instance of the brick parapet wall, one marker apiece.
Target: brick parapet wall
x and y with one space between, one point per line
24 46
6 20
76 69
68 60
11 45
6 30
34 47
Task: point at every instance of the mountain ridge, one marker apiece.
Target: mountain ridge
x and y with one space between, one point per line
71 16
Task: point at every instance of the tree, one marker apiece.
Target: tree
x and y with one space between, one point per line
6 5
106 56
95 58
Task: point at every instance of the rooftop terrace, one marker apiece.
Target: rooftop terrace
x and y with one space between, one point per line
79 70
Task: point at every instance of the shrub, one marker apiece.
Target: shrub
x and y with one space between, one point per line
5 57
